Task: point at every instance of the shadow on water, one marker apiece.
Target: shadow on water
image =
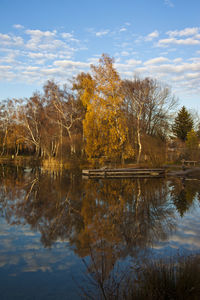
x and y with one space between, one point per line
112 225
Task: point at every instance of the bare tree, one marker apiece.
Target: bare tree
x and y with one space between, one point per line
67 109
149 106
31 117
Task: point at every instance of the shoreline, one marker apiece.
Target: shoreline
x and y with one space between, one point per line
31 161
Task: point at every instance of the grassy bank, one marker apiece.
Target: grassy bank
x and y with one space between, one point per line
45 164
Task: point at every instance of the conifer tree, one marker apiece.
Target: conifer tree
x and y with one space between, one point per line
183 124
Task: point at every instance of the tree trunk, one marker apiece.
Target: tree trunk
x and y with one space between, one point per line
139 139
17 150
4 142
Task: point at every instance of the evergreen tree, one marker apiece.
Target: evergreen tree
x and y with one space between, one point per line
183 124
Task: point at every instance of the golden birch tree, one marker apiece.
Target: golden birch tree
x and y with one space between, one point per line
105 128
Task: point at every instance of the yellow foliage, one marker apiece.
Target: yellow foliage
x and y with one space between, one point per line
105 127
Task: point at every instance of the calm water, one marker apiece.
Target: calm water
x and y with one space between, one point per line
55 231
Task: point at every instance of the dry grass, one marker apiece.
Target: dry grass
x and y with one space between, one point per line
172 280
154 281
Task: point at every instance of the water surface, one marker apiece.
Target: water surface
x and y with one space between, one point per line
56 230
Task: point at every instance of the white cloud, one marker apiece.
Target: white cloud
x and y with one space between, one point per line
152 35
185 32
123 29
18 41
36 55
193 75
67 35
157 60
49 45
184 77
169 3
5 68
124 53
55 44
133 62
194 59
10 40
103 32
178 60
4 37
10 58
32 68
6 72
18 26
171 68
50 71
188 41
72 64
127 69
93 60
38 33
46 56
40 39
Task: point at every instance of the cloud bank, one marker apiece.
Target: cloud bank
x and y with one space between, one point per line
34 55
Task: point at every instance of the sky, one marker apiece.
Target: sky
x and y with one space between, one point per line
42 40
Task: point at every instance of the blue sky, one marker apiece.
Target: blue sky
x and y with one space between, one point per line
46 39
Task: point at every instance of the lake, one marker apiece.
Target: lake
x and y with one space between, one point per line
60 233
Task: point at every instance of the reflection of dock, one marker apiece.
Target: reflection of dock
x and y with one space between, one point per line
123 173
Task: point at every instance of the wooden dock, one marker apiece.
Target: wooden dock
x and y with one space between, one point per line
123 173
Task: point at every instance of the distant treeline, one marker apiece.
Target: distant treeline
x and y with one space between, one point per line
100 117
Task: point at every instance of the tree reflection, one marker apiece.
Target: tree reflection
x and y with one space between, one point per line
48 204
183 193
122 217
106 220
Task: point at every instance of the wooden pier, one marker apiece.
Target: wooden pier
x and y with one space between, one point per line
123 173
